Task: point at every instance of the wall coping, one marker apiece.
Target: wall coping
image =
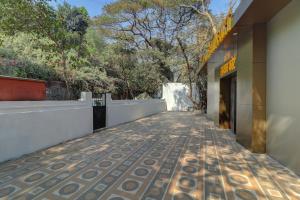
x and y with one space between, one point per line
129 102
7 107
21 79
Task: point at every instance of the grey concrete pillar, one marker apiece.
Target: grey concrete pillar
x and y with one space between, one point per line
87 97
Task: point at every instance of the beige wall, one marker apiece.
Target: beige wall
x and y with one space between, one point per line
283 86
213 91
213 86
244 87
251 88
251 91
258 144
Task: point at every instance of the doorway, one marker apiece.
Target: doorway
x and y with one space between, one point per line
99 112
228 102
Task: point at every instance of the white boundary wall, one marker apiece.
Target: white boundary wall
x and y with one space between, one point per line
28 126
176 96
122 111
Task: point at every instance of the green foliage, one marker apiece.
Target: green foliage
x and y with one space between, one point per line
32 47
143 96
63 55
12 65
29 56
93 79
150 28
131 49
25 16
95 43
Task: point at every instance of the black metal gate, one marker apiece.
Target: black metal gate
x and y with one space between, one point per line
99 112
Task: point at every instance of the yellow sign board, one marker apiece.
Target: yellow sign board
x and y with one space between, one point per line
228 67
219 37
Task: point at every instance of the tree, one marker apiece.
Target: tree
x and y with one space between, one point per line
54 39
25 16
200 7
146 25
132 48
169 27
204 29
67 33
151 29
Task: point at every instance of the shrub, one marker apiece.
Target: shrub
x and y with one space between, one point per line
11 65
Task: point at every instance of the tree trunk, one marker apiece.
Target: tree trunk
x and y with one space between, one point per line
80 46
189 69
64 65
129 89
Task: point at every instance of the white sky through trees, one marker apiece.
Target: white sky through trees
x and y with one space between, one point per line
94 7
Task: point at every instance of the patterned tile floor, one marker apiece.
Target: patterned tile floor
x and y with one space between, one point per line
179 156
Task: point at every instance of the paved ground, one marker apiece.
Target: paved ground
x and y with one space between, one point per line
178 156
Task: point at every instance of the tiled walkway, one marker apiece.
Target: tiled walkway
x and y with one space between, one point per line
178 156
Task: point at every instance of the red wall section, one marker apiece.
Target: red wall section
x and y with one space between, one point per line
16 89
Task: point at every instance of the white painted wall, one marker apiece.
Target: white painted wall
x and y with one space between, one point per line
122 111
213 85
26 127
213 93
283 96
176 96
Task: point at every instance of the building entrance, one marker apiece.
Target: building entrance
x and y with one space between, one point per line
227 118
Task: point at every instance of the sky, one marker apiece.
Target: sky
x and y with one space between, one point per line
219 6
94 7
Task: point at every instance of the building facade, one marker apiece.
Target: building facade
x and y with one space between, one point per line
253 83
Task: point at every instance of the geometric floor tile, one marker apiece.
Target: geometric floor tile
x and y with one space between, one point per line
172 156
